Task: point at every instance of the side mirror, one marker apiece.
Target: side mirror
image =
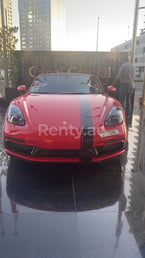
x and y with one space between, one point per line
22 88
111 89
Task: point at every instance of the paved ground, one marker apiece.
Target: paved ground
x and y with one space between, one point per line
63 211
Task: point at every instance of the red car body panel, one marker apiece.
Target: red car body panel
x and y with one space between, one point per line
58 123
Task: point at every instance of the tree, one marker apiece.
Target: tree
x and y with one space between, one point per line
7 47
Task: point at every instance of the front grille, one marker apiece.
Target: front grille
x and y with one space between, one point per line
40 152
84 153
57 153
18 148
111 148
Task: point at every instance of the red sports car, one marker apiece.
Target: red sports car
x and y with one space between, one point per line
65 117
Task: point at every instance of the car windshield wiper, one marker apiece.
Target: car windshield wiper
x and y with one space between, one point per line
73 93
41 92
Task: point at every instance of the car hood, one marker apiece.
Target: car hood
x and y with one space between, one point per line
65 121
56 110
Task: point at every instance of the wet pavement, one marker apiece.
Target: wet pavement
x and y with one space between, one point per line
75 211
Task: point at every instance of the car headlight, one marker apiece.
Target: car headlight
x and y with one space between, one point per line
114 117
15 115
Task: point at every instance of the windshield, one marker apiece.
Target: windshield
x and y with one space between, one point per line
66 84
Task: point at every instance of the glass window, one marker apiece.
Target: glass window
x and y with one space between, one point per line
66 84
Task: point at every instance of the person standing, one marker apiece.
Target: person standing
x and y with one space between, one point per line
125 80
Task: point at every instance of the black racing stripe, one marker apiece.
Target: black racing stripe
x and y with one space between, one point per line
87 126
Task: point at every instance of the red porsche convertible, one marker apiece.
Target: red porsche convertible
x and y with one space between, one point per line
65 117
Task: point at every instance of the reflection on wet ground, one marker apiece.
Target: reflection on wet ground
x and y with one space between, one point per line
73 211
59 208
61 188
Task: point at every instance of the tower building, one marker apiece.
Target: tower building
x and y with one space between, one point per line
41 24
7 12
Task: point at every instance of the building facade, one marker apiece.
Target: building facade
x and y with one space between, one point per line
7 12
57 24
41 24
139 54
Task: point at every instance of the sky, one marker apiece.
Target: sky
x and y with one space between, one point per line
113 18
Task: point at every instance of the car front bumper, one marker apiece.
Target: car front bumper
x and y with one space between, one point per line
94 154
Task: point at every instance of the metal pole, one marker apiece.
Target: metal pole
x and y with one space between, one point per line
97 33
134 32
142 104
143 92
